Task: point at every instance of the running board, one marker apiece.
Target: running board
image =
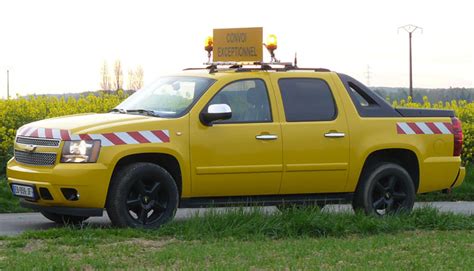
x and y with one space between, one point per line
269 200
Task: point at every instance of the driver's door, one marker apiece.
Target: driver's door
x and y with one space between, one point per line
241 155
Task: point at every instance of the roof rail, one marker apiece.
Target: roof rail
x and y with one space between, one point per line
214 67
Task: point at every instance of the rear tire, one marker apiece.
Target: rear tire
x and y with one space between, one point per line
64 219
385 189
142 195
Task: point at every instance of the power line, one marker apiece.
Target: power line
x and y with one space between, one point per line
410 29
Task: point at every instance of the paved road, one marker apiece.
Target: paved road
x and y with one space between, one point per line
13 224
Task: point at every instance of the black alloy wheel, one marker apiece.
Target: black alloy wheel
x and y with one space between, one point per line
142 195
147 201
386 189
388 195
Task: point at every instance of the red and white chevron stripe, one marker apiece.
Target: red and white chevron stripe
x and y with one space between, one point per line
107 139
427 128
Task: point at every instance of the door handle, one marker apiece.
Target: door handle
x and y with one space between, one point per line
266 137
334 134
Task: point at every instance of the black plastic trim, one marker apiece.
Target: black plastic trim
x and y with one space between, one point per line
378 108
63 210
45 194
264 200
416 112
213 68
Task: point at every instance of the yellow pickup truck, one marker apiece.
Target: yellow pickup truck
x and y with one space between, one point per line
231 135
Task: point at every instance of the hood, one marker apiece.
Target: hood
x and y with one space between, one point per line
97 123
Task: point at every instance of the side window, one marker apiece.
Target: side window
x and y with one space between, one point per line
359 98
307 99
248 100
362 98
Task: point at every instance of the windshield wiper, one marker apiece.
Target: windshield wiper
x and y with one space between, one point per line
120 110
144 112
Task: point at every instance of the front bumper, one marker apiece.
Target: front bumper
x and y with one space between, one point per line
90 180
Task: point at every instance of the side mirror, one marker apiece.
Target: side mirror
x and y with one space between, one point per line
216 112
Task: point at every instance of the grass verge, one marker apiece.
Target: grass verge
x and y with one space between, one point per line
9 203
255 223
249 239
426 250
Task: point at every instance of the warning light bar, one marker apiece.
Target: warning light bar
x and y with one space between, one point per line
208 46
271 42
271 45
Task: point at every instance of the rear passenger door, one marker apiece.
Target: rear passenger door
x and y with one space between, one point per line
314 131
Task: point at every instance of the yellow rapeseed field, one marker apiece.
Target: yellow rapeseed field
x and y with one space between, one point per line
16 112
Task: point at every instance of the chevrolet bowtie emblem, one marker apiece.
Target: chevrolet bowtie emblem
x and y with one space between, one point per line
30 148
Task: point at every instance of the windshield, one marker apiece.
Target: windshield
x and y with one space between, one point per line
166 97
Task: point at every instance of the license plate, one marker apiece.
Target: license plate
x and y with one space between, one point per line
23 191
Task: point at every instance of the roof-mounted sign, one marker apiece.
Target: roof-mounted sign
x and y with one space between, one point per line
238 44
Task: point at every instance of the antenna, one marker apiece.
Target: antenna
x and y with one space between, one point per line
410 29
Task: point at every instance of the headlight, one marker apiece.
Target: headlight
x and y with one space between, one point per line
80 151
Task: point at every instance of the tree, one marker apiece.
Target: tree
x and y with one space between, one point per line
105 83
139 76
135 78
118 75
131 80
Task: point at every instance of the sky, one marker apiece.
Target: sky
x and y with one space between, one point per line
59 46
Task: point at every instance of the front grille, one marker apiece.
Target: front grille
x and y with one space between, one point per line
38 141
35 158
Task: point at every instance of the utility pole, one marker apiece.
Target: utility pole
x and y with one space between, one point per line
368 75
410 29
8 84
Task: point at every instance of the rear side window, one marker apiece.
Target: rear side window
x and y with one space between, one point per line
359 98
362 98
307 99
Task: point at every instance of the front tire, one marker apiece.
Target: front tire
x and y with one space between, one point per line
142 195
386 188
64 219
